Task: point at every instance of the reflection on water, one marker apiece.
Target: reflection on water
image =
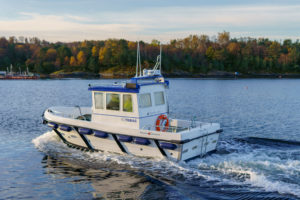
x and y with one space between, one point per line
106 184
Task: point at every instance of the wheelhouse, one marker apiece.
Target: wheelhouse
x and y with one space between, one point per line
136 103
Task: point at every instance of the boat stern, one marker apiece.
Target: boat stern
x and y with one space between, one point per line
199 141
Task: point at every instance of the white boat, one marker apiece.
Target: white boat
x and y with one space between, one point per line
132 117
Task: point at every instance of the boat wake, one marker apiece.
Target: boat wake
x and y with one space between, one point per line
271 169
240 168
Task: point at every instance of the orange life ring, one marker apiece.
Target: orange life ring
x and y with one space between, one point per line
162 122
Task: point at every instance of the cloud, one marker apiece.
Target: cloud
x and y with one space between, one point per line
161 23
38 22
210 16
61 28
79 18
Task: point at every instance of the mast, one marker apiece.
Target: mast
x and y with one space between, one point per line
160 58
137 60
140 62
138 71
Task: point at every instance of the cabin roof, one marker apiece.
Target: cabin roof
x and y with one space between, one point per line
115 88
146 77
132 86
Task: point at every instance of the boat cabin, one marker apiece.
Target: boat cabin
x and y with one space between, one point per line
134 104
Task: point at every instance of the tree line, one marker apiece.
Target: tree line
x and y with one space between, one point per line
193 54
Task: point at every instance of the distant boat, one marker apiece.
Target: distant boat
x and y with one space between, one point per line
9 74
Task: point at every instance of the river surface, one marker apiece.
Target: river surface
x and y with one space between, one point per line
34 164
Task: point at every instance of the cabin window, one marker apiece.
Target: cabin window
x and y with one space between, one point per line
127 103
112 101
145 100
159 98
98 98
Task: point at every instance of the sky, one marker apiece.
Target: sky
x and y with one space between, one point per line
75 20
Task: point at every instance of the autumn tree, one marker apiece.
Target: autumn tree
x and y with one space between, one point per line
73 61
193 54
95 51
81 59
51 54
223 38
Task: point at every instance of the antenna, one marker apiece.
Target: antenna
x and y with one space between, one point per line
137 60
160 58
158 61
140 62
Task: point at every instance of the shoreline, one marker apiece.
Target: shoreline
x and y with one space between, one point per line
225 75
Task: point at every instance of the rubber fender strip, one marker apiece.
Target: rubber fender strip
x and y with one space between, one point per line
59 135
84 139
160 149
119 143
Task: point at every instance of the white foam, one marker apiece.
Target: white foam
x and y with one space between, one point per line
259 180
256 167
46 141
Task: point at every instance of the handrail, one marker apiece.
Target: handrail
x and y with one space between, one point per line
55 112
81 115
72 115
175 129
113 84
170 129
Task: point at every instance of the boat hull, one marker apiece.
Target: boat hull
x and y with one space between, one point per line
198 147
98 137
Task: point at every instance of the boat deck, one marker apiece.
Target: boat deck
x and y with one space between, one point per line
85 113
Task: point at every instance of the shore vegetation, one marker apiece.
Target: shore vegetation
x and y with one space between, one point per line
193 54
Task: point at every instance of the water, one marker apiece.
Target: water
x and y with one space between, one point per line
34 164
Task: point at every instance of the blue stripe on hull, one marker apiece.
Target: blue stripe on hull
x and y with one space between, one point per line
128 116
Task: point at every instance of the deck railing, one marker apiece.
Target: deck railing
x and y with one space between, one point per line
62 114
170 129
175 129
